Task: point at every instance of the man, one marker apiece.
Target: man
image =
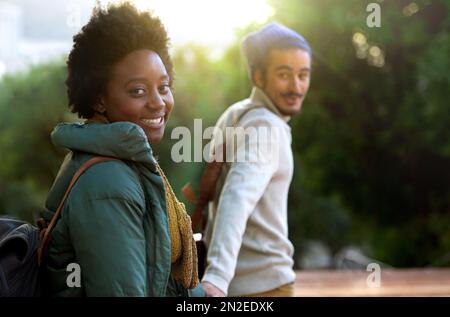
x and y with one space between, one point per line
249 253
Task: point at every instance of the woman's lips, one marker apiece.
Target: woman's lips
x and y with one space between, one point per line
154 123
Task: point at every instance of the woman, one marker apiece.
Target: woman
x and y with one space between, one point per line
121 222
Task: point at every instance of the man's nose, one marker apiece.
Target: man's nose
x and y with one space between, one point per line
296 85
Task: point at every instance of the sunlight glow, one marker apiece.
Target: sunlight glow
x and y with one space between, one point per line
411 9
2 69
374 54
208 22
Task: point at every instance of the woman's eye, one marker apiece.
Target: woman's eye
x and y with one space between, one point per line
137 91
164 89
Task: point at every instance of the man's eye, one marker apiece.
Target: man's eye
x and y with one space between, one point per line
303 76
283 75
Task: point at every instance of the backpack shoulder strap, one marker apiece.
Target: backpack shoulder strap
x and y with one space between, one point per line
244 112
45 233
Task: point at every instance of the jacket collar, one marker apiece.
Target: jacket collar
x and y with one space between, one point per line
124 140
258 97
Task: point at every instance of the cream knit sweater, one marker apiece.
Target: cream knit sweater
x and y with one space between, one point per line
247 234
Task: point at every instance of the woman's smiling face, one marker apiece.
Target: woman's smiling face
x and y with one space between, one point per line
138 91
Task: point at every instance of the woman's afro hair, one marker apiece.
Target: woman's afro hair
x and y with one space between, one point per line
110 35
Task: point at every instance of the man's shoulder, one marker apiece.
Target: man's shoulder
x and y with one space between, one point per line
235 108
258 115
244 113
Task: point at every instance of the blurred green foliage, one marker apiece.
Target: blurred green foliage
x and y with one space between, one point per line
371 145
31 104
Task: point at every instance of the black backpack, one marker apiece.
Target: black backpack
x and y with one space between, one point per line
19 270
23 248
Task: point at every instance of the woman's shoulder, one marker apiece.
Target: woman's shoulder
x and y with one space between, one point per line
116 179
124 140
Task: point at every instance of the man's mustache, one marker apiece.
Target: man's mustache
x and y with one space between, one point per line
292 94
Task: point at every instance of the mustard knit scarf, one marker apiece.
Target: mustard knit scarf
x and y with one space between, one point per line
183 249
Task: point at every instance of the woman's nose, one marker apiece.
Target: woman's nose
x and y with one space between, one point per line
156 101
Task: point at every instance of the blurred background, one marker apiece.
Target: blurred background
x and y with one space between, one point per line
371 145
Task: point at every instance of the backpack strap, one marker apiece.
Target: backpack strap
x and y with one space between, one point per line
45 232
208 181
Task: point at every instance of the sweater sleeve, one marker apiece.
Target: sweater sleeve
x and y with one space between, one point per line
244 185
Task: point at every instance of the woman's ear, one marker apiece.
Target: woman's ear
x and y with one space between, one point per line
100 105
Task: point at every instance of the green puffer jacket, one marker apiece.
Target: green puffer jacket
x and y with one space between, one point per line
114 223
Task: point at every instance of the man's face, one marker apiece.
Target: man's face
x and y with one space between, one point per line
287 79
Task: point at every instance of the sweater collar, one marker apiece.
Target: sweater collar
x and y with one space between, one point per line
258 97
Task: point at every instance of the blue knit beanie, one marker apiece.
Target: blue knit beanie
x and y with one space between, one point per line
273 35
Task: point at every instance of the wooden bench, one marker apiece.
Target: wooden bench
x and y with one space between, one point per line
393 282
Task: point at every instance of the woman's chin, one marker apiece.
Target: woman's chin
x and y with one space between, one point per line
155 137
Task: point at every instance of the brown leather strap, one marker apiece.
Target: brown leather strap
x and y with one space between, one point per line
46 232
208 182
207 186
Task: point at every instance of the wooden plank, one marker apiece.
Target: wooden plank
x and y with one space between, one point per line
393 282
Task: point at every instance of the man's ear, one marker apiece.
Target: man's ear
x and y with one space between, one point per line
258 78
100 105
